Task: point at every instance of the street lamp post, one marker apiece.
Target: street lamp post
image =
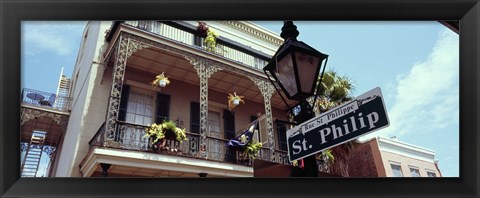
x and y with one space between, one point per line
295 67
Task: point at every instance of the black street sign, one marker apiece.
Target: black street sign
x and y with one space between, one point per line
362 115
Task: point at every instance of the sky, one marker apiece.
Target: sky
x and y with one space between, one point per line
415 63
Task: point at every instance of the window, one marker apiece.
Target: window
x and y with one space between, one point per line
431 174
163 108
214 124
195 117
139 108
136 107
414 172
396 170
282 135
229 124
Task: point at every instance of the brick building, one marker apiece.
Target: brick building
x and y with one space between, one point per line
384 157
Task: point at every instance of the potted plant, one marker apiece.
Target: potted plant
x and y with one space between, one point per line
234 100
159 133
211 41
252 149
161 80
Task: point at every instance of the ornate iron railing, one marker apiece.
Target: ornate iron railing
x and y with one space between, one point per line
45 99
188 38
130 136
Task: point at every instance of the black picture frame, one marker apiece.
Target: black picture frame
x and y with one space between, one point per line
465 11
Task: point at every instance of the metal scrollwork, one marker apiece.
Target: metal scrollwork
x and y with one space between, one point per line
126 46
29 114
267 90
204 72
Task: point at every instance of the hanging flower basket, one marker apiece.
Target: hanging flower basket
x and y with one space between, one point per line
162 83
234 100
160 80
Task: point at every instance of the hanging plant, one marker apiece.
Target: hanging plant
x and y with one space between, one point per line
234 100
211 41
160 81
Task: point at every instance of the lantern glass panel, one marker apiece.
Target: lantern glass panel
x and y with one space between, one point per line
307 66
286 74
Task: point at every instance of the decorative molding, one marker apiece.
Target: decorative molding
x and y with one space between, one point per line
29 114
405 150
253 32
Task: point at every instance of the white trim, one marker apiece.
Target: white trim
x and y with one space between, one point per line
161 162
394 162
414 167
44 109
404 149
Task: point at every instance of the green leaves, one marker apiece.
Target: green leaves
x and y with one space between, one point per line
158 131
335 90
252 149
211 40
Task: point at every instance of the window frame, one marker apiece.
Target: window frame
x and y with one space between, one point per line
396 164
153 104
431 171
410 168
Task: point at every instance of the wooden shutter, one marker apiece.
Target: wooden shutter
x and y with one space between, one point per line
229 124
122 113
163 108
195 117
281 135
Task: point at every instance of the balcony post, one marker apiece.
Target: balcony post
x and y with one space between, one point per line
105 168
204 71
267 90
125 47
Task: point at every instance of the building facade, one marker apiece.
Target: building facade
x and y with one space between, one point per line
113 101
389 157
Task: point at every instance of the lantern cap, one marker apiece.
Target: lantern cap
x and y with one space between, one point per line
289 31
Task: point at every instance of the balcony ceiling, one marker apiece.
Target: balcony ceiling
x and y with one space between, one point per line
176 67
54 131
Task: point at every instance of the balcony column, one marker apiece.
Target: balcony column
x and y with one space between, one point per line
267 90
125 47
204 71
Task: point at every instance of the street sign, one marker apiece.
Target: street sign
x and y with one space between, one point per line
362 115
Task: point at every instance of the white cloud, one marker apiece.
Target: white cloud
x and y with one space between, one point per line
427 98
55 37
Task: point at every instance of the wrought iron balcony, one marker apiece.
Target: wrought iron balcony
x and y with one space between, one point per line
132 137
45 99
193 40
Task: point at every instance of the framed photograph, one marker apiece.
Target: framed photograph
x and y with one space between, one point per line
185 99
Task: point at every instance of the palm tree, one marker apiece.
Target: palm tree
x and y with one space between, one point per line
334 90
